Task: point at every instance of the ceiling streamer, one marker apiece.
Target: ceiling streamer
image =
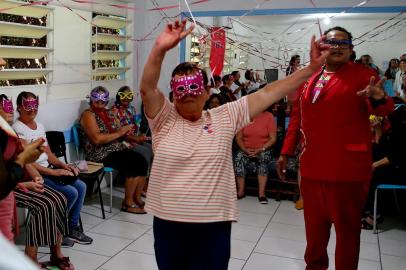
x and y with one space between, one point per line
105 4
394 23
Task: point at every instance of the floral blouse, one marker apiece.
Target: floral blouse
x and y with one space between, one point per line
97 153
124 116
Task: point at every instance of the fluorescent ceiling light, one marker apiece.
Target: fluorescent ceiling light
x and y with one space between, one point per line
324 15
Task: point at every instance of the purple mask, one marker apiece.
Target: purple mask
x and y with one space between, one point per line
30 104
99 96
188 85
7 106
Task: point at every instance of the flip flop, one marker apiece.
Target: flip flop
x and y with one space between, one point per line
133 209
140 205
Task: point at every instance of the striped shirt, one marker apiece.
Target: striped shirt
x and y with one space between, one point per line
192 177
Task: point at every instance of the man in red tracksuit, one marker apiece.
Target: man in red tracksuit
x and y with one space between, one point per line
332 118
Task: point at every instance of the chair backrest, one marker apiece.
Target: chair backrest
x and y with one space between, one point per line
56 141
76 137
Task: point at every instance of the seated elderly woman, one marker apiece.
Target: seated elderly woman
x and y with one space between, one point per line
105 142
255 141
57 174
47 216
124 114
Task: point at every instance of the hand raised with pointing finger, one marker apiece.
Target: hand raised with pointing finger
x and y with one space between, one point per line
373 90
173 33
318 52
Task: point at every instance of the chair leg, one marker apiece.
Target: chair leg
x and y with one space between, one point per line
395 195
100 194
111 191
375 210
81 224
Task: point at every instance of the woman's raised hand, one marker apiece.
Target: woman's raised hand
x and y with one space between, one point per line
172 35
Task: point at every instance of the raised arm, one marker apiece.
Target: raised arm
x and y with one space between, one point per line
152 97
259 101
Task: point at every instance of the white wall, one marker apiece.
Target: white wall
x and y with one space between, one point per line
144 22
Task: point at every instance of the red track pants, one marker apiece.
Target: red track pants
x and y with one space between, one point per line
338 203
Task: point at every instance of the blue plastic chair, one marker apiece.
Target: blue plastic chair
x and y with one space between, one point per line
386 186
101 174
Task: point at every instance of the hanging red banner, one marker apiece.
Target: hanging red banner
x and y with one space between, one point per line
218 50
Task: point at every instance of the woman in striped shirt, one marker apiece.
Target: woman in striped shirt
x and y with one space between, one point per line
192 191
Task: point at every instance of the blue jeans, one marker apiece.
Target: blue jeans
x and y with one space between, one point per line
75 195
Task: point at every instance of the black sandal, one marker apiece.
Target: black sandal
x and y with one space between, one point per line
365 225
42 265
62 263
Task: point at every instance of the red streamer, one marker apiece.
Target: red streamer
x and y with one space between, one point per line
218 49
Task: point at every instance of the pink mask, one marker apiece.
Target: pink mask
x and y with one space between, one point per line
7 106
30 104
188 85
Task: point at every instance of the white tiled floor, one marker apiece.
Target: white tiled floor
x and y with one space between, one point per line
266 237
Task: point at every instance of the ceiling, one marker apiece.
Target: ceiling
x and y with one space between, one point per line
272 20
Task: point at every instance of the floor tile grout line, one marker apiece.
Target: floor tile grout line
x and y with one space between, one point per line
140 252
395 256
262 234
112 218
113 236
89 252
304 241
279 256
123 248
102 220
379 251
131 222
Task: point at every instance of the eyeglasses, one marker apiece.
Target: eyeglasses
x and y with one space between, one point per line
339 43
126 95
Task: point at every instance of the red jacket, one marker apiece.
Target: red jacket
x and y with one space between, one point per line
335 129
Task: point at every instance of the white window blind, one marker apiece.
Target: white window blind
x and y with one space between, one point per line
24 35
108 47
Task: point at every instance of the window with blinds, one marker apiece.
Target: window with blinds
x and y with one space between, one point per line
24 45
108 47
